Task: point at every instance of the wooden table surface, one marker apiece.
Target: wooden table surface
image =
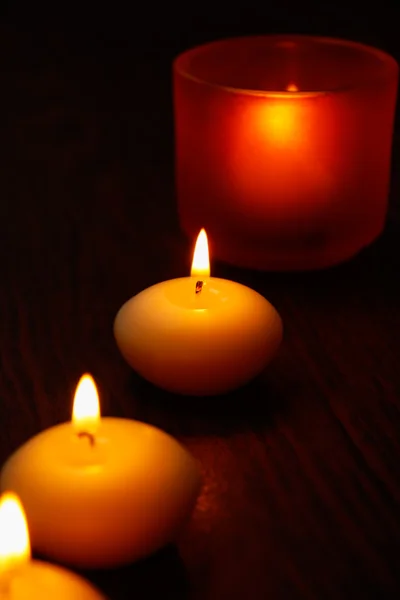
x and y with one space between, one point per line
301 494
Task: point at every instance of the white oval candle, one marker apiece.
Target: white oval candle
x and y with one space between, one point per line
102 492
198 335
22 578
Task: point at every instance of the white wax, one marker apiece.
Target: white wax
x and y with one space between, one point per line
198 344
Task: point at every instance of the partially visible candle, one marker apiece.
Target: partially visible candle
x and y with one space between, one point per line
24 579
101 492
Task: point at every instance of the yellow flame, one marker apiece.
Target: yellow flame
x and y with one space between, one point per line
201 258
292 87
15 548
86 410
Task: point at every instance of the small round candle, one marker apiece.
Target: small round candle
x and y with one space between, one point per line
101 492
198 335
22 578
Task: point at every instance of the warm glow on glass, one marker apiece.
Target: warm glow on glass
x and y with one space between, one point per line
86 410
15 547
280 122
201 258
292 87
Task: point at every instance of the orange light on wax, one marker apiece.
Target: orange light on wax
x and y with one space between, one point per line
22 578
292 87
82 497
86 409
201 257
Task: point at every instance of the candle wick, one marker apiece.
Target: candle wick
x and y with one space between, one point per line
199 286
87 435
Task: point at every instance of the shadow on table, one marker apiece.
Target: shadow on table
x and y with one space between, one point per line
162 575
254 406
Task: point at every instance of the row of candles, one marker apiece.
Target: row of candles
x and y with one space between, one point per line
97 492
100 492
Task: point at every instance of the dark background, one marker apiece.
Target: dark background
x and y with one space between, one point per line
171 26
122 40
301 495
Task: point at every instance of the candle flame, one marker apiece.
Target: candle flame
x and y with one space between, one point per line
292 87
201 258
15 548
86 410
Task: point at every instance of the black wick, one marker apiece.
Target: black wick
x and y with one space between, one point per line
89 436
199 286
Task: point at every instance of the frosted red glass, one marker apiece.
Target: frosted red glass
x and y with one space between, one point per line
283 148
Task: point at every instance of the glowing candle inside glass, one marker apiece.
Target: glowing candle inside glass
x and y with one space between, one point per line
283 147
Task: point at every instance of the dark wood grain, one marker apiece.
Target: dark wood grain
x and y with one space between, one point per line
301 495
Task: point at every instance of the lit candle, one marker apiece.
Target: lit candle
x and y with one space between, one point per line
22 578
198 335
283 147
100 492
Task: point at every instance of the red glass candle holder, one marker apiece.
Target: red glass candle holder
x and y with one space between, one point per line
283 148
